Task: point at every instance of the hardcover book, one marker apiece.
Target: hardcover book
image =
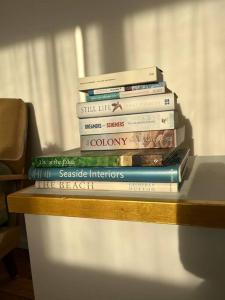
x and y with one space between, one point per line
126 123
141 104
134 140
171 172
161 187
116 158
151 74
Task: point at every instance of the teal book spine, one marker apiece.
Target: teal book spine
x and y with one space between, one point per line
101 97
170 173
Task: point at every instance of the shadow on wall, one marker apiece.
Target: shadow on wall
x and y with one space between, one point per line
31 20
202 249
189 141
87 284
34 145
202 254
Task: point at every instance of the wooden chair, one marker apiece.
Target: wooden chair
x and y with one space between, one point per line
13 137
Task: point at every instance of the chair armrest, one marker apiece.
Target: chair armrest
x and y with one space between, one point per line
13 177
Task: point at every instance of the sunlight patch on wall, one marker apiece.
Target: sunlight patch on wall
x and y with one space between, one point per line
89 52
114 247
79 47
94 49
79 56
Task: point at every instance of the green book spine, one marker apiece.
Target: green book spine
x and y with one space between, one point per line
85 161
77 158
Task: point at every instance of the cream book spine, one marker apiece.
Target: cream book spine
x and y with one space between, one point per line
127 123
108 186
151 74
141 104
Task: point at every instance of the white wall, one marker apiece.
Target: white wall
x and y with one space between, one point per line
40 60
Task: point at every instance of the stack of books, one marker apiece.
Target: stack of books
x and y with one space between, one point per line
131 137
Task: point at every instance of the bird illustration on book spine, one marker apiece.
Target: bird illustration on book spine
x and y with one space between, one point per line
116 106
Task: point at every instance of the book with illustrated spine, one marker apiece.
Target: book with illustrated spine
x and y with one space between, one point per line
159 85
141 104
126 123
168 138
115 158
151 74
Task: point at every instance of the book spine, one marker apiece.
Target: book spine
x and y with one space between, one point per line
100 97
127 106
99 161
82 161
116 89
161 84
109 186
143 92
126 94
136 174
132 77
126 123
134 140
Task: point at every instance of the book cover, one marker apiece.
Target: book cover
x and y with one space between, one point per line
161 187
126 94
171 172
115 158
151 74
141 104
127 123
125 88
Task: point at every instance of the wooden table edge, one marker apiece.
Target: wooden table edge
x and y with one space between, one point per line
169 211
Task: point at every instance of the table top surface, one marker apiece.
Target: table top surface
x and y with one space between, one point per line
200 202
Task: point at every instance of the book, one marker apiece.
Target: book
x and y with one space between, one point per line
115 158
159 85
166 187
126 94
127 123
142 104
168 138
151 74
171 172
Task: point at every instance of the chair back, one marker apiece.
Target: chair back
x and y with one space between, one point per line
13 133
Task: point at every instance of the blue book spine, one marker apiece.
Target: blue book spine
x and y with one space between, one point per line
128 174
100 97
127 88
